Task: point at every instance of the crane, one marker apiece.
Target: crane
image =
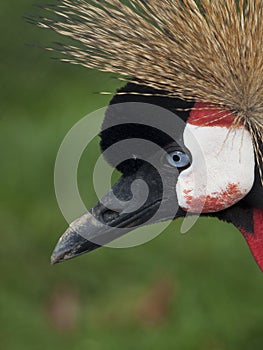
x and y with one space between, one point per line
202 61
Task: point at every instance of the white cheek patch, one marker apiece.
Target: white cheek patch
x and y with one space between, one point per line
222 169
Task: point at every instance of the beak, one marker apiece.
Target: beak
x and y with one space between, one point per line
131 203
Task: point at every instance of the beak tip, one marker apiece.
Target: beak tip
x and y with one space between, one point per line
67 247
56 257
59 253
54 260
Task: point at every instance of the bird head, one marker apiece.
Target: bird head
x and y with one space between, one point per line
201 61
206 166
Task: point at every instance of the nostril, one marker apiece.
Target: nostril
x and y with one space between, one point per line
109 215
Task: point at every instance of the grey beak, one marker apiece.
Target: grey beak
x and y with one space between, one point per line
119 212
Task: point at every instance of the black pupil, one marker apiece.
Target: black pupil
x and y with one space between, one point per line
176 158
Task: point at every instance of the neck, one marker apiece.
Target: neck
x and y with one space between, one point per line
250 223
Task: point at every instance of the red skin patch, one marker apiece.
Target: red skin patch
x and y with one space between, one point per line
215 202
204 114
255 239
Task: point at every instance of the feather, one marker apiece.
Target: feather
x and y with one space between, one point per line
209 51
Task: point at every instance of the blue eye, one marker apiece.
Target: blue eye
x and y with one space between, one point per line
178 159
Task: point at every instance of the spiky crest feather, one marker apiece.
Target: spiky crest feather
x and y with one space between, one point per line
210 52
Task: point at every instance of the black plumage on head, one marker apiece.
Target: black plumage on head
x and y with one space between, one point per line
123 130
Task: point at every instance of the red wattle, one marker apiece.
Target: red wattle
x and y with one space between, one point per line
255 239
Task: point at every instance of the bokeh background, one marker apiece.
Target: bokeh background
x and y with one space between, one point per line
196 291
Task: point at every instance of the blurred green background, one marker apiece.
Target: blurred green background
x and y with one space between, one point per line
202 290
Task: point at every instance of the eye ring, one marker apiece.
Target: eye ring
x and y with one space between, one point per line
178 159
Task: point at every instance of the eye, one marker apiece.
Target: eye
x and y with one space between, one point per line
178 159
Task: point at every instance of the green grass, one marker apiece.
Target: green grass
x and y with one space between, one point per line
92 302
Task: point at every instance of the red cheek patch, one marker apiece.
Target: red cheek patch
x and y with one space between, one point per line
204 114
215 202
